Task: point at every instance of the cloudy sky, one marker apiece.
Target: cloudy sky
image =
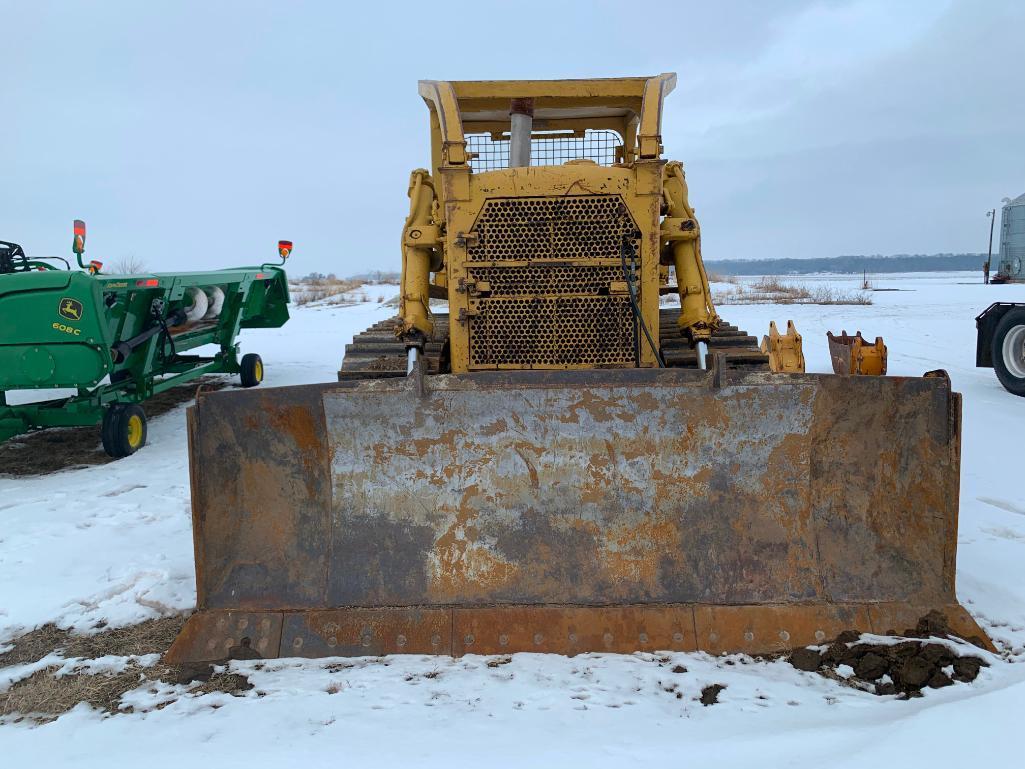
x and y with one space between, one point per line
192 134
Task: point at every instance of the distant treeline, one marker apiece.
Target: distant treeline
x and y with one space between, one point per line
849 264
835 264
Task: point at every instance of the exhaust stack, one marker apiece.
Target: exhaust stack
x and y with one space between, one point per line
521 118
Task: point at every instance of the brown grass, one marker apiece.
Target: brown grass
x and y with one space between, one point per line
773 290
769 284
43 696
152 636
319 289
715 277
828 295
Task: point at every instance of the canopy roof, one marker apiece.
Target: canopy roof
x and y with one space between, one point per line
630 105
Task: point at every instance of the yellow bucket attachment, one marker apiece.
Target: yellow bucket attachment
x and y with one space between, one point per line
852 355
785 353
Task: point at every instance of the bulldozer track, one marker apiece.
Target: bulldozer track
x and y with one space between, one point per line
376 353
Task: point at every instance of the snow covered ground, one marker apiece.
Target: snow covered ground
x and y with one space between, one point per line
113 544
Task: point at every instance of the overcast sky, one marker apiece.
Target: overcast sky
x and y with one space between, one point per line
196 134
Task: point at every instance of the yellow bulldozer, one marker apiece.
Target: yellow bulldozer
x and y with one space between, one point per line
535 455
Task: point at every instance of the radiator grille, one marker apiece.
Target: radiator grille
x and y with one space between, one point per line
571 227
555 331
549 265
545 279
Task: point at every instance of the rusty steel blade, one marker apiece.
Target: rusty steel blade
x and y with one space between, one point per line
572 511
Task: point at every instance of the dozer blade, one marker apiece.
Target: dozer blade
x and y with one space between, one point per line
571 511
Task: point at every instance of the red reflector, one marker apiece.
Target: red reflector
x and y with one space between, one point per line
260 276
149 283
79 227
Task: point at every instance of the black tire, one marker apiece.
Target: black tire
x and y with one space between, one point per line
251 370
1008 351
124 429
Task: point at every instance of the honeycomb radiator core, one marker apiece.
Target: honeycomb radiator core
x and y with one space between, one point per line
549 265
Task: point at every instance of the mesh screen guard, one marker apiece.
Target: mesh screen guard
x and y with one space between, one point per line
554 283
490 154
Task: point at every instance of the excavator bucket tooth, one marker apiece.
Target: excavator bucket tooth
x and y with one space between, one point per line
786 353
854 356
571 511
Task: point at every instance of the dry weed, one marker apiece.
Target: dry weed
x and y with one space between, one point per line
773 290
715 277
43 696
314 290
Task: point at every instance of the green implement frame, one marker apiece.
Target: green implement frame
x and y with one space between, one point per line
120 339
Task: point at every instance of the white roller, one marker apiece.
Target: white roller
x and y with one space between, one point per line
215 302
195 304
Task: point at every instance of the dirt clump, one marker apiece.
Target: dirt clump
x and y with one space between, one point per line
806 659
710 694
871 666
904 668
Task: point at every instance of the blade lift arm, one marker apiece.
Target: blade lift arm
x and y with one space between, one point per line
681 247
421 255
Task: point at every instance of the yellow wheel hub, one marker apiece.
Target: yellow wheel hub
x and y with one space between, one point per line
135 431
258 370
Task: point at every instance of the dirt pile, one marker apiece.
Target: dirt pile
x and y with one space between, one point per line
710 694
902 668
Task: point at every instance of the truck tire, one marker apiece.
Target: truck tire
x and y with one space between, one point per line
124 429
251 370
1008 351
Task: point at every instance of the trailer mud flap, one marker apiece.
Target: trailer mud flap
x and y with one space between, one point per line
571 511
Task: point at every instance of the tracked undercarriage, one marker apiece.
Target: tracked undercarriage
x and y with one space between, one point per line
377 353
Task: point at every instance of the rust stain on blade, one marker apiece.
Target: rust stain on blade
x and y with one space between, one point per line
363 632
212 635
248 552
573 630
773 628
605 503
751 629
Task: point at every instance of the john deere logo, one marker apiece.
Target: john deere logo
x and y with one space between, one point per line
70 309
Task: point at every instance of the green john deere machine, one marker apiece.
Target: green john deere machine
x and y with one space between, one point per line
120 339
